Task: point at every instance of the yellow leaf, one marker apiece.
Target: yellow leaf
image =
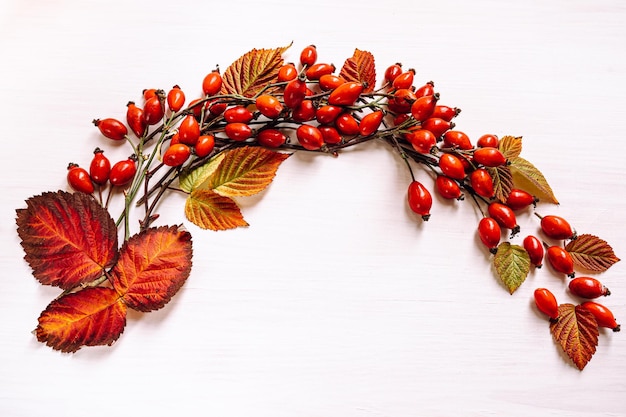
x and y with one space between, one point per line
360 68
527 177
209 210
510 146
253 71
576 331
245 171
191 180
512 265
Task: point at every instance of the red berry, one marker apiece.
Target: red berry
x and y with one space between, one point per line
148 93
304 112
370 123
100 167
287 72
487 141
310 137
534 248
490 233
561 260
346 94
189 130
238 114
308 56
436 125
212 83
423 107
402 101
448 188
452 166
588 287
420 200
175 98
123 172
556 227
176 155
422 140
238 131
546 303
457 139
604 316
404 80
489 157
327 114
346 124
330 135
427 89
520 199
78 178
392 72
330 82
504 216
153 110
482 182
204 145
294 93
111 128
445 112
135 119
315 71
269 106
271 138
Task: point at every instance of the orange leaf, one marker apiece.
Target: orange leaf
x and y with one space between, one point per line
89 317
245 171
152 267
510 146
253 71
69 239
209 210
360 68
576 331
592 253
502 182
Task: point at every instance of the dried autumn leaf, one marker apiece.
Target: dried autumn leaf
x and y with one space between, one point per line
191 180
245 171
512 265
502 182
576 331
152 267
529 178
360 68
209 210
90 317
510 146
69 238
253 71
591 253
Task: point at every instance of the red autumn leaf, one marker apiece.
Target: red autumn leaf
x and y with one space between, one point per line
209 210
360 68
152 267
90 317
591 253
69 238
253 71
576 331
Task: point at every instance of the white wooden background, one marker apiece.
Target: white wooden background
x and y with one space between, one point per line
336 301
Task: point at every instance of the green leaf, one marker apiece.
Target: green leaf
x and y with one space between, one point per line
192 180
512 265
527 177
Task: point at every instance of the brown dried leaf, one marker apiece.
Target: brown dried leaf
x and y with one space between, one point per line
245 171
591 253
360 68
253 71
153 266
512 265
527 177
510 146
502 182
576 331
69 238
209 210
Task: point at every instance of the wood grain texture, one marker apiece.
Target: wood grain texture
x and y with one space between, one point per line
336 301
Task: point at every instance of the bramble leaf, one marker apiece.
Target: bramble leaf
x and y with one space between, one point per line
152 267
512 265
502 182
529 178
253 71
576 331
209 210
245 171
360 68
90 317
510 146
192 180
69 238
591 253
